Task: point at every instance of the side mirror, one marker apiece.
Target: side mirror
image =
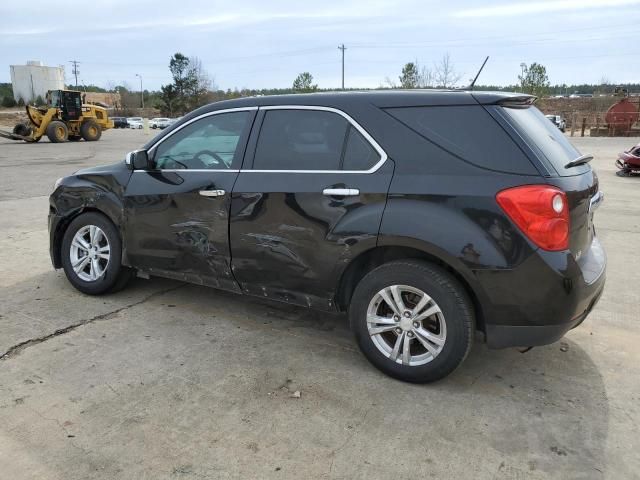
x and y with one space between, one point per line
137 160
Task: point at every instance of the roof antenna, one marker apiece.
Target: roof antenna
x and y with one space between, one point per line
470 87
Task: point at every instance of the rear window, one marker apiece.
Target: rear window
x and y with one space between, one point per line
468 132
545 139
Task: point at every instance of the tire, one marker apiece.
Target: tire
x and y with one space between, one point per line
451 324
57 132
90 131
22 129
110 274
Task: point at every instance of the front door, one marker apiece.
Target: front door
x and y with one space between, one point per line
312 201
177 213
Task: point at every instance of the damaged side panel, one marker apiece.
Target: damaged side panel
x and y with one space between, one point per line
291 242
176 232
93 189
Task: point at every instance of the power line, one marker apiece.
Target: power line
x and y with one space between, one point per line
75 70
343 48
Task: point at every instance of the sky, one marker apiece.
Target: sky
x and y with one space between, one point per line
265 44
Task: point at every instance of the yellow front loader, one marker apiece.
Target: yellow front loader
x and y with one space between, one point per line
64 118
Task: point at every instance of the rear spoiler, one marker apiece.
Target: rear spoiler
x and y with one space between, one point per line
520 101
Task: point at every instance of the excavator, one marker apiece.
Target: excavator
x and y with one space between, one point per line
64 118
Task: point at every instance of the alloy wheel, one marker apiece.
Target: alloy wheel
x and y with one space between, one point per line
406 325
90 253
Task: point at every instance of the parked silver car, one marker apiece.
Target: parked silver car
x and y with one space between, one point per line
161 122
135 122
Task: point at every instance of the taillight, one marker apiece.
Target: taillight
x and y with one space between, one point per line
541 212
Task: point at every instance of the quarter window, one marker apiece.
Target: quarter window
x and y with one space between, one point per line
468 132
209 143
359 154
300 140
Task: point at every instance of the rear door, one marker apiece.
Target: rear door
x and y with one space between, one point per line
310 201
177 213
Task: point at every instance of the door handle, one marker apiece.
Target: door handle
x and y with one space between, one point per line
341 192
212 193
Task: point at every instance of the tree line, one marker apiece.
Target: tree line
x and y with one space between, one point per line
192 86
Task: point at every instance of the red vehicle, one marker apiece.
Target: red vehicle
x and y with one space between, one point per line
629 162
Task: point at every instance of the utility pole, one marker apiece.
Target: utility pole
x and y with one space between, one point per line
141 91
75 70
343 48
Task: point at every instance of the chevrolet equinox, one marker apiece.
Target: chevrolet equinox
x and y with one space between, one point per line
428 216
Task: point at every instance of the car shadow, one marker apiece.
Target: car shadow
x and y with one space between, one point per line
548 405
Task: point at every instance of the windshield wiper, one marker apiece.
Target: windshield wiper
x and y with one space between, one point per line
581 160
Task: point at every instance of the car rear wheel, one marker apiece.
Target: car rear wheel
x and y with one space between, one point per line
91 255
412 320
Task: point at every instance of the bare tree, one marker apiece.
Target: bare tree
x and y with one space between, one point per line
201 82
426 77
445 74
389 83
604 80
413 76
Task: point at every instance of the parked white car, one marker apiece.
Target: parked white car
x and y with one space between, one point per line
159 122
558 121
135 122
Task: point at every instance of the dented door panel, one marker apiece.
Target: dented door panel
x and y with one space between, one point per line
176 232
291 242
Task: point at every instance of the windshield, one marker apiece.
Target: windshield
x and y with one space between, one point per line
545 139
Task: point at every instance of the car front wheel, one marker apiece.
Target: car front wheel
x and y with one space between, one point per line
412 320
91 255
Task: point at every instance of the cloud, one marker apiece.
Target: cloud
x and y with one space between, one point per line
525 8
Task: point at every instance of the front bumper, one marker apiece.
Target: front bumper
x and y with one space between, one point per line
54 223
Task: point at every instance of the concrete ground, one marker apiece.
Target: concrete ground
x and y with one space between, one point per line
172 381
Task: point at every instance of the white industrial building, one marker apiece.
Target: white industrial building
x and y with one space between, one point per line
34 79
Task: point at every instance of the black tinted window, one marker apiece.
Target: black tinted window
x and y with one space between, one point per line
209 143
545 137
300 140
470 133
359 153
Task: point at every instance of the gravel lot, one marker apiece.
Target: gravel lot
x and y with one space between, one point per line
166 380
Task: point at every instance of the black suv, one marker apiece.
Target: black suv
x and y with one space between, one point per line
120 122
428 216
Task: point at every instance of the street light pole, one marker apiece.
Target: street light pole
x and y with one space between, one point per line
141 91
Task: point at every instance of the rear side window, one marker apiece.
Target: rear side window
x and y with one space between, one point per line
545 138
468 132
300 140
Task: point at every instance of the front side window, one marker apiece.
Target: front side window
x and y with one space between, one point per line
209 143
300 140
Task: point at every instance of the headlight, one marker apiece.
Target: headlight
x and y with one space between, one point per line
57 184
